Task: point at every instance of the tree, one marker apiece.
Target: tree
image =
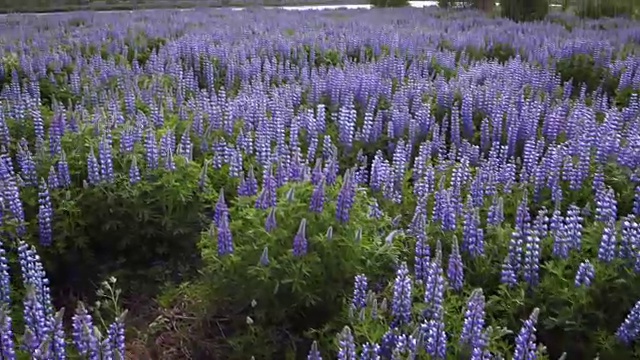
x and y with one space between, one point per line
609 8
485 5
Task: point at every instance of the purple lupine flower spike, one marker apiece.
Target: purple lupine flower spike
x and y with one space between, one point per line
300 243
526 347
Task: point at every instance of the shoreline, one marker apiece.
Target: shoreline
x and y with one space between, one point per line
176 6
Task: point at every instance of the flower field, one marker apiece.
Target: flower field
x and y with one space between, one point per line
348 184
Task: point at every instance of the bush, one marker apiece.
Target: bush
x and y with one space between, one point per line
389 3
272 310
524 10
145 233
581 69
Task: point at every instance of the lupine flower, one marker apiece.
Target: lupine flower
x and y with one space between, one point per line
248 186
346 345
7 350
58 342
64 176
422 259
359 300
114 344
608 243
152 154
630 329
329 234
317 174
496 216
169 164
93 169
474 319
45 215
526 348
134 172
418 224
586 273
606 205
290 195
221 210
473 235
346 198
11 193
26 164
573 227
434 338
531 263
401 304
455 270
405 347
434 288
331 172
387 344
508 274
203 175
85 335
271 222
317 198
264 258
370 352
267 197
106 161
269 188
374 309
5 278
52 179
630 233
314 353
225 241
300 243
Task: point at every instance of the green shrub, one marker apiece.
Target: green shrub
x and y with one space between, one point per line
272 311
524 10
581 69
389 3
144 234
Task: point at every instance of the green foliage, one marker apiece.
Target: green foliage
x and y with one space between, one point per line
389 3
582 69
144 233
270 311
141 48
576 320
524 10
612 8
444 4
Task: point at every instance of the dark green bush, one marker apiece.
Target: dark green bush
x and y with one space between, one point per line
144 234
581 69
389 3
524 10
273 311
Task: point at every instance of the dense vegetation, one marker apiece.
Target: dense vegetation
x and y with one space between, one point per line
388 183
